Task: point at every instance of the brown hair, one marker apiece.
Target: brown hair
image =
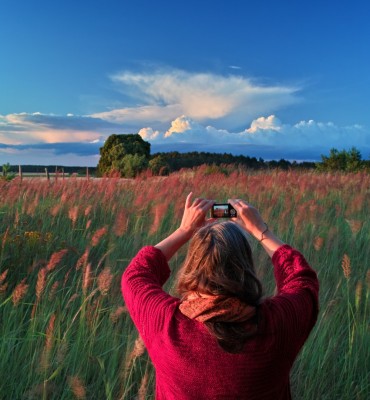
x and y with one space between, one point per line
219 262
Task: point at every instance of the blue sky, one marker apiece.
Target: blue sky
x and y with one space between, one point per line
269 79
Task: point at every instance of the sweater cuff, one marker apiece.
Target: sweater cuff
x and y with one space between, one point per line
282 252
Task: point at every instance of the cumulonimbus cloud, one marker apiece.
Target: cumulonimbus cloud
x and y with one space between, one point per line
230 100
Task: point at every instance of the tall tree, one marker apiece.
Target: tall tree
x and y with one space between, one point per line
350 161
115 151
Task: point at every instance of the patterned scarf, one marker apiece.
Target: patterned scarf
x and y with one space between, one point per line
217 309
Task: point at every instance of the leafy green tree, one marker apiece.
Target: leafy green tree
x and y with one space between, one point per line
131 165
349 161
354 160
115 150
159 166
6 172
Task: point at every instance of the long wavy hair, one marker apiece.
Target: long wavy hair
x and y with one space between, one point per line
219 262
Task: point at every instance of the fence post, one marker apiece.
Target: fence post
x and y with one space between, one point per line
87 173
47 174
63 174
20 172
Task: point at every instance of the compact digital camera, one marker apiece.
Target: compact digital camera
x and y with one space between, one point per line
223 210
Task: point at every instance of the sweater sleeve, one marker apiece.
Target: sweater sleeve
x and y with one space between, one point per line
141 284
296 303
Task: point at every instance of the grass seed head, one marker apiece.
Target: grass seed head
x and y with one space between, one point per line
82 261
114 316
141 395
77 387
56 258
346 266
318 243
41 282
3 276
73 214
99 233
53 290
120 225
19 292
104 281
86 278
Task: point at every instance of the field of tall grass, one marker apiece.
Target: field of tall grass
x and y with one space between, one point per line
64 329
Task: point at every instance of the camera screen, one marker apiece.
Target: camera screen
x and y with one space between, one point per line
223 211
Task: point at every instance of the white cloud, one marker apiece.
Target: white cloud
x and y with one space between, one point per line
48 128
266 137
148 133
262 123
165 94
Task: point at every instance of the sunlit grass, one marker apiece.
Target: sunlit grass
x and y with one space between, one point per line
65 333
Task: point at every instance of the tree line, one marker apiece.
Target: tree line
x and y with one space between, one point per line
129 155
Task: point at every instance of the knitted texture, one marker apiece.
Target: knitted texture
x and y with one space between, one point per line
188 361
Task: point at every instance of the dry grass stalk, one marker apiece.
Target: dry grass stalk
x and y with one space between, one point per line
41 282
114 316
62 350
318 243
104 281
72 299
159 211
86 278
50 333
45 355
5 238
355 225
55 259
53 290
137 351
73 214
141 395
16 219
358 293
77 387
120 225
99 233
82 261
19 292
3 276
346 266
88 210
55 210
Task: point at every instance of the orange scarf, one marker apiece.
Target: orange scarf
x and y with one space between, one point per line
217 309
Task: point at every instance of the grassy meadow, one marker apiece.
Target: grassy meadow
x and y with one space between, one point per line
64 329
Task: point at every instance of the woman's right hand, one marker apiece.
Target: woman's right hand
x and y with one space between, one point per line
249 218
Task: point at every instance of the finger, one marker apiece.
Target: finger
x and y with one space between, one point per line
197 201
205 204
188 200
234 202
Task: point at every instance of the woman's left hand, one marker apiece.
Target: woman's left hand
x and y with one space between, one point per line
195 212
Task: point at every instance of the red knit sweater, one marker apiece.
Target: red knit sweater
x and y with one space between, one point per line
188 361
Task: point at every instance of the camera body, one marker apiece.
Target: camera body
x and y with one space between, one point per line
223 210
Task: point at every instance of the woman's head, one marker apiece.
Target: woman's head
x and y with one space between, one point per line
219 262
